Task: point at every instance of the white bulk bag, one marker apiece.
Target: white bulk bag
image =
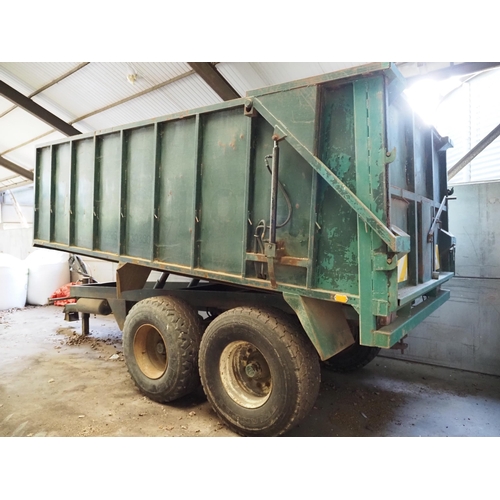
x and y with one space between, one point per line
48 271
13 282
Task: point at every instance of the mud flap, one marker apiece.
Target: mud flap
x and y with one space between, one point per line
324 322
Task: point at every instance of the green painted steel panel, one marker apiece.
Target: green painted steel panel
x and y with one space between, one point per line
43 187
61 185
83 211
398 137
296 177
222 187
337 247
139 192
296 108
176 181
108 169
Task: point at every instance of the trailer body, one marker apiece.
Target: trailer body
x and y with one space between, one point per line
348 219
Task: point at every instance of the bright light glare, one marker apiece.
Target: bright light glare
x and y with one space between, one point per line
426 95
424 98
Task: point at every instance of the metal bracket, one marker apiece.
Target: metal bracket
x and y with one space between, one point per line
71 316
249 110
278 134
380 307
390 156
383 262
400 345
270 251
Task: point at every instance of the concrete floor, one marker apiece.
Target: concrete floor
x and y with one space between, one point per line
53 384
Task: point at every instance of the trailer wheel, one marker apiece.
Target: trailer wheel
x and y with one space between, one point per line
161 339
259 372
353 357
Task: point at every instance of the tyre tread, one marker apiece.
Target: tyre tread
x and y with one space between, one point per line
303 354
182 317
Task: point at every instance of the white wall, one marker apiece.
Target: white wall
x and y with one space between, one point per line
17 241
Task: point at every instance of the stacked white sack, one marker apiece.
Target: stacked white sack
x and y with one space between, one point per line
48 271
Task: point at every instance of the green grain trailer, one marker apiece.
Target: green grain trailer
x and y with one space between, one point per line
310 216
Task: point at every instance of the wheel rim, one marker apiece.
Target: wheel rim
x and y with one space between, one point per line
150 351
245 374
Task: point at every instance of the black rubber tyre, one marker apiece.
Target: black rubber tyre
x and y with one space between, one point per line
353 357
258 370
161 340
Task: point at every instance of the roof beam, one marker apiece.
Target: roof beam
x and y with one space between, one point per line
36 110
48 85
215 80
13 167
478 148
109 106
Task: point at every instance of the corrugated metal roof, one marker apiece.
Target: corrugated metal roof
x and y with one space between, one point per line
249 76
91 88
19 126
5 105
13 182
190 92
36 74
101 84
25 155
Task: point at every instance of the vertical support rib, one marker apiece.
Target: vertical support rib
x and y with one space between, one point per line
158 132
37 174
312 231
72 193
52 192
246 201
274 193
123 193
413 255
413 231
370 148
96 193
196 209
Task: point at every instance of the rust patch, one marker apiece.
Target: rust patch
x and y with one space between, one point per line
294 261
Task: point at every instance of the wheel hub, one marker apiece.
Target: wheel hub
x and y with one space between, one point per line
150 352
252 370
245 374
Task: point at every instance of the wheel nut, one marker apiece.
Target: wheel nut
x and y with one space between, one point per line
250 370
160 348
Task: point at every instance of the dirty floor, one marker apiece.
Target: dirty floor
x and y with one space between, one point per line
54 384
